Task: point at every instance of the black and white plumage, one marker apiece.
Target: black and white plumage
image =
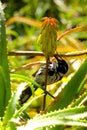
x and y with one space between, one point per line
56 71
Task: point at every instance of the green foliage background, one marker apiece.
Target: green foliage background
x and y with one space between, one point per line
22 36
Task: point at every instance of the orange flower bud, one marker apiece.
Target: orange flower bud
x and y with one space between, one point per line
48 36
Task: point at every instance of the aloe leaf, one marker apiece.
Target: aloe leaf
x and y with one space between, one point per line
84 81
70 91
25 106
29 80
72 117
3 55
2 92
12 126
80 101
10 110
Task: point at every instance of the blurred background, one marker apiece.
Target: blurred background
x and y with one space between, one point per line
23 22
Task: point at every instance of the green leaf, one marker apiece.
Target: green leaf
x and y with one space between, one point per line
2 91
25 106
3 55
84 81
12 126
29 80
10 110
82 19
71 116
81 100
70 90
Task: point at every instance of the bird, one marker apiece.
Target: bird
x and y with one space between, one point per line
56 70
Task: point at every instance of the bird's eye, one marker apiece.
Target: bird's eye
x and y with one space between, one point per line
51 73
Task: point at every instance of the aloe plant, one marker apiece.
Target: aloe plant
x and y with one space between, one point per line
5 88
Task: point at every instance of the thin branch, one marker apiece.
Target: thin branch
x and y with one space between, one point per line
77 29
27 66
75 54
25 53
35 53
71 55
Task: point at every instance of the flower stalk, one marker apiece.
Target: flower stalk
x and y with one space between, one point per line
48 36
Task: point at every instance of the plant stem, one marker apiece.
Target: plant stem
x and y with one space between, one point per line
44 99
